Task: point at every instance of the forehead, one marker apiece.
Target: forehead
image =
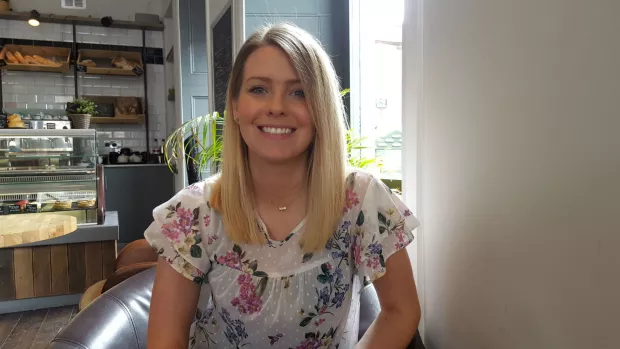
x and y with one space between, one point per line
270 62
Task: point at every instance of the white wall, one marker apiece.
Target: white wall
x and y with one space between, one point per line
118 9
519 173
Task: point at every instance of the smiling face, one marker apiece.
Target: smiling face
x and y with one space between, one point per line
271 110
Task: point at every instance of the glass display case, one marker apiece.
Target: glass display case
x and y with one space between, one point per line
51 171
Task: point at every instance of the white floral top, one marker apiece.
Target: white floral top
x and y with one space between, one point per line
274 295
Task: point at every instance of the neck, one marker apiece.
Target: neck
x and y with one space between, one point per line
279 183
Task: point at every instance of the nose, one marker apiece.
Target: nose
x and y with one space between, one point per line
276 106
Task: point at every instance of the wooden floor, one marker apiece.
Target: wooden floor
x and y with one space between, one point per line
33 329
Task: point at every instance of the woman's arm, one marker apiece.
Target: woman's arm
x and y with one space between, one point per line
400 308
173 306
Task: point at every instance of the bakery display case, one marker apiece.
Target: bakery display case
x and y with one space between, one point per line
51 171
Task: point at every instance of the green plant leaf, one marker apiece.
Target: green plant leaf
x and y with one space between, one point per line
305 322
195 251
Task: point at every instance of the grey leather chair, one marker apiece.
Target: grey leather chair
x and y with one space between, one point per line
118 319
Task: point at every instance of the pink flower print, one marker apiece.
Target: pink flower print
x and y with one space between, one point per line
319 322
207 220
196 188
211 239
247 302
402 238
171 231
231 259
185 221
407 213
310 343
351 200
373 262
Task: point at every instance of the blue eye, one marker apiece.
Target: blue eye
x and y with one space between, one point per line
299 93
257 90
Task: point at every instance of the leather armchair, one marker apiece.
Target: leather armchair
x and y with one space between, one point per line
118 318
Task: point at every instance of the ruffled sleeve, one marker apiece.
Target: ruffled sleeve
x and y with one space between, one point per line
384 225
178 229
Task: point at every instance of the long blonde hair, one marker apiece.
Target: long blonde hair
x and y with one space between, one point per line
232 194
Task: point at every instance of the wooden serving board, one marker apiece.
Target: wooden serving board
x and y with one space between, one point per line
22 229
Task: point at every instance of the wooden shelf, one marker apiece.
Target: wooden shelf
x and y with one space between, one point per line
90 21
58 54
139 119
103 60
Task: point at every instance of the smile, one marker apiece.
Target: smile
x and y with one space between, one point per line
276 130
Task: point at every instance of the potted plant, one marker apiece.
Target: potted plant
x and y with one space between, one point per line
5 5
80 111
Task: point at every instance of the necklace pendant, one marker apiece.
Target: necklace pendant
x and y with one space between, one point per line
283 208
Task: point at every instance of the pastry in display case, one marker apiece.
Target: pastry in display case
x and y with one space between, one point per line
51 170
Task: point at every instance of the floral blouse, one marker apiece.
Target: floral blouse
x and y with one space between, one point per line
274 295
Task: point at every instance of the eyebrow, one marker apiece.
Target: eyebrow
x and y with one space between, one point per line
266 79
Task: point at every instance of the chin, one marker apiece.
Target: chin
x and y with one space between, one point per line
280 158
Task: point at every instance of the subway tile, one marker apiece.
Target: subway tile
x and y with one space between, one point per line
15 89
63 99
126 41
10 104
111 92
109 40
64 82
93 91
67 37
100 31
23 80
36 106
20 105
118 32
4 23
129 92
8 97
46 98
44 81
26 98
88 39
119 83
70 90
101 83
56 90
83 29
119 134
55 106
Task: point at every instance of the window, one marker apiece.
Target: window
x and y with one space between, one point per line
376 84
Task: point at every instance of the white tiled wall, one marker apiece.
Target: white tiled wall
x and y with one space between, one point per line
36 90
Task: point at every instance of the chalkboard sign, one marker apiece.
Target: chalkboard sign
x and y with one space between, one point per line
138 71
105 109
31 208
222 59
14 209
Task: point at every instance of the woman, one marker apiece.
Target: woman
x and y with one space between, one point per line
273 252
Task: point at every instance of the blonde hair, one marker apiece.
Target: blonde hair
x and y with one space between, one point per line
232 194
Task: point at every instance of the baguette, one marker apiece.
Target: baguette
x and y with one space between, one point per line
31 60
11 58
19 57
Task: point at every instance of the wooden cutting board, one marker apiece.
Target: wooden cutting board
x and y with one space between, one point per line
26 228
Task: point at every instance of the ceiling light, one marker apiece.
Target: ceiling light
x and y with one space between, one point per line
33 20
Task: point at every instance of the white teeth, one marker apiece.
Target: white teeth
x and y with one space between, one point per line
277 131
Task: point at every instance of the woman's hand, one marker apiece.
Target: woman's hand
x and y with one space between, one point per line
400 308
173 306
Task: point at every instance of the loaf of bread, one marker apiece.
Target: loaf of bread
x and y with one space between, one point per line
19 57
11 58
31 60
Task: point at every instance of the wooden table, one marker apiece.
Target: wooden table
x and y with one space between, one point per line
19 229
